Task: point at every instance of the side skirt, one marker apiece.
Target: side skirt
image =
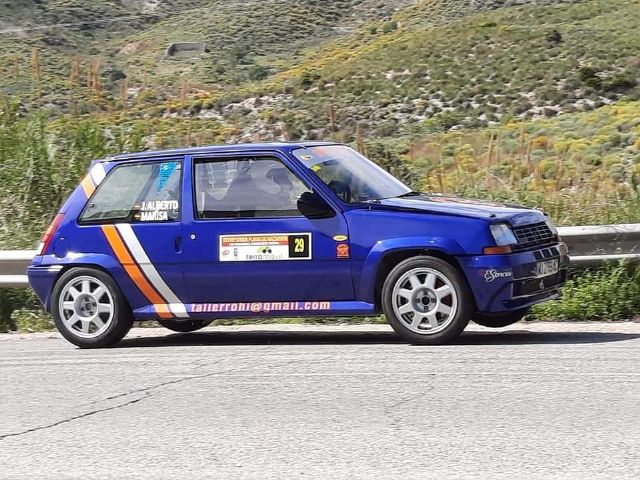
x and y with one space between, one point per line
266 309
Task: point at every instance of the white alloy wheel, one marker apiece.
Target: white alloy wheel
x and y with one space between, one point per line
424 300
86 307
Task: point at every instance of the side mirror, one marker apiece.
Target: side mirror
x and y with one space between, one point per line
312 205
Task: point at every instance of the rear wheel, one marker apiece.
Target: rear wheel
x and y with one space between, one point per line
184 326
88 308
427 301
501 319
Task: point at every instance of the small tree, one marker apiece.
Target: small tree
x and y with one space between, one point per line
554 37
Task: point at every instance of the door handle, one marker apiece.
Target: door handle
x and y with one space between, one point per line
177 244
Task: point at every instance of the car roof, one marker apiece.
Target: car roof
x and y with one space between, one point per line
225 148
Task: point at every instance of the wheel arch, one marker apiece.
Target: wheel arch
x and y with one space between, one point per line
389 261
90 265
396 250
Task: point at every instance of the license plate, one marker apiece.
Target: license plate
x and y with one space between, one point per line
547 267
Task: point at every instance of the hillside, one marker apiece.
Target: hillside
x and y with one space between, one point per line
311 69
246 40
523 62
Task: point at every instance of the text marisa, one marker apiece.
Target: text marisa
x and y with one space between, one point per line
157 209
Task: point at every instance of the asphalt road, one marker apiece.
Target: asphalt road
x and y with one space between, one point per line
530 401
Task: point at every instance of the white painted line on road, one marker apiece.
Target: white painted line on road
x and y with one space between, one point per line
419 374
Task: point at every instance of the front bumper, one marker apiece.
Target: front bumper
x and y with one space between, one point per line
502 283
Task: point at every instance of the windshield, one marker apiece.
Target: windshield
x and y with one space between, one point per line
352 177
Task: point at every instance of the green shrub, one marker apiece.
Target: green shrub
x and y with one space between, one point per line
585 73
607 293
620 83
258 72
12 299
5 325
389 27
27 320
593 82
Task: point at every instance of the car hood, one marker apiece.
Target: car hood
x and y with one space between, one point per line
464 207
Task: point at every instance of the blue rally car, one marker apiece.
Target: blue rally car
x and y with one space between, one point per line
284 229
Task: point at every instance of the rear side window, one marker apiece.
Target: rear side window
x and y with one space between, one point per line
141 192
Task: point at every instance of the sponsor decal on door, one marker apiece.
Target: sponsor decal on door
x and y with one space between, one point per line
342 250
265 247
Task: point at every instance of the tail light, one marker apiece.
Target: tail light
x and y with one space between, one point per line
48 235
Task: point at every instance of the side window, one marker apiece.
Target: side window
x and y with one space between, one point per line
246 187
141 192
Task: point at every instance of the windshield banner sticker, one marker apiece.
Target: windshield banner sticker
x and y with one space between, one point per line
261 247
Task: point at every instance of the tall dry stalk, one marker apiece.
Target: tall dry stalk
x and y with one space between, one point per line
490 150
559 171
124 93
331 115
521 138
74 75
440 174
183 93
16 65
94 76
35 71
359 143
188 139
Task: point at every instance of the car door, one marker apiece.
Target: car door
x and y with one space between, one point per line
137 209
245 240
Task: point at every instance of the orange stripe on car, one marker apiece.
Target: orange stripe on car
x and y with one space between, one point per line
132 269
88 186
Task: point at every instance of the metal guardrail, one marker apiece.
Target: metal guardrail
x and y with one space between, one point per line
13 267
588 246
597 244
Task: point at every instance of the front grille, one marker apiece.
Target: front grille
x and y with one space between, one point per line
530 286
535 235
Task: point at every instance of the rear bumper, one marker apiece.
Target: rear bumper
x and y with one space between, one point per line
41 279
502 283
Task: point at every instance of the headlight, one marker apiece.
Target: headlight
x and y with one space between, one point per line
551 226
502 234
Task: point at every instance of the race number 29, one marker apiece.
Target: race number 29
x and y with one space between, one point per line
299 246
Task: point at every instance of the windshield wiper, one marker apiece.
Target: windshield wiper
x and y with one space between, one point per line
410 194
402 195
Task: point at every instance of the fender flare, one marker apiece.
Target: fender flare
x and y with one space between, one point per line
83 260
372 261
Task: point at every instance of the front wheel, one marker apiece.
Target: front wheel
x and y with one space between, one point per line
501 319
88 308
427 301
184 326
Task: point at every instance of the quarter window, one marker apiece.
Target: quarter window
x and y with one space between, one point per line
246 187
142 192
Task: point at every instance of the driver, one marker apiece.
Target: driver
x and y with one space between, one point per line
280 176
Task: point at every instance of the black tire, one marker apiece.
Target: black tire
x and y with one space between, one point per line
501 319
184 326
120 318
465 304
